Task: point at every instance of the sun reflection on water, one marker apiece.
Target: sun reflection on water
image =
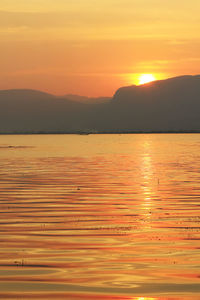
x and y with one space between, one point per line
97 221
146 175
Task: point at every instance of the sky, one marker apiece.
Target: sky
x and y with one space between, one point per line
92 48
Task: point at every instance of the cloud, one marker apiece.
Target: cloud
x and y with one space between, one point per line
76 18
33 20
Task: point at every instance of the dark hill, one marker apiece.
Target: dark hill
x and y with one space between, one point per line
28 110
165 105
172 104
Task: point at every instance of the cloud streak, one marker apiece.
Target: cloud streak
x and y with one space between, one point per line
41 37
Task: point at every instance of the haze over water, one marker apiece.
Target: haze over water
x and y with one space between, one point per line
100 216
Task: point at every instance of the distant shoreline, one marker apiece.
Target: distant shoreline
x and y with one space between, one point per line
100 132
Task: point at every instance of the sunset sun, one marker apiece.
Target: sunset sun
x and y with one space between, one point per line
145 78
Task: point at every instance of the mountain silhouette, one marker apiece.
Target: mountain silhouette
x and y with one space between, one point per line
165 105
88 100
160 106
32 111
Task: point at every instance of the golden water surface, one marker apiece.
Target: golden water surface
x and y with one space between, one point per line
100 216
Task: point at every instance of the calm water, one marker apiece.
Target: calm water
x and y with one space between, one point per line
100 217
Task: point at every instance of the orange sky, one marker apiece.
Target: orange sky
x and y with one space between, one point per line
94 47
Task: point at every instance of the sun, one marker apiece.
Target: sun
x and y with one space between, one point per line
145 78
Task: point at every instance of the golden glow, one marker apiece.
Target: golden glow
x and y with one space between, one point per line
145 298
75 47
145 78
135 78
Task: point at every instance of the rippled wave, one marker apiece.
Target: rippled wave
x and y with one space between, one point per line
100 217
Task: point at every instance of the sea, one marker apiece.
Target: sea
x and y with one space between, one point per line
100 216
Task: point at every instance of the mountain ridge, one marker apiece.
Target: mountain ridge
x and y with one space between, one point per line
160 106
